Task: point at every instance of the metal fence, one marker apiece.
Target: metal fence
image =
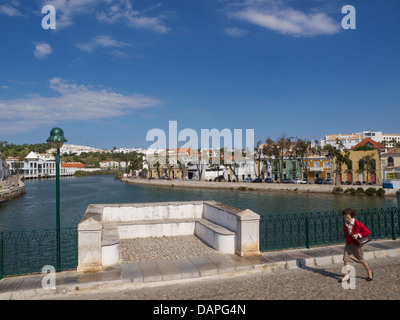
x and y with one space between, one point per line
299 230
24 252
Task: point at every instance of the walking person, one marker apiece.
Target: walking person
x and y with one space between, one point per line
354 229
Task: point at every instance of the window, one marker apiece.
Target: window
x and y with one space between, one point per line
390 162
327 164
361 164
316 164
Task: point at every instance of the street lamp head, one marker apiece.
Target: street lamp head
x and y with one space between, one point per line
56 139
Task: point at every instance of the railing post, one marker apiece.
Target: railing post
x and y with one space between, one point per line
398 199
307 234
393 228
1 255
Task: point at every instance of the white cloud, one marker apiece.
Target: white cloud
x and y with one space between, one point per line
67 9
284 20
10 9
122 11
101 42
236 32
42 50
74 102
109 11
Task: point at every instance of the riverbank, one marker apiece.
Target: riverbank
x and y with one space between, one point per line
8 193
259 187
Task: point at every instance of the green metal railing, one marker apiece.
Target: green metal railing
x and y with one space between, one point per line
299 230
24 252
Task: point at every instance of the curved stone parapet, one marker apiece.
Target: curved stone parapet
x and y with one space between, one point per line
225 228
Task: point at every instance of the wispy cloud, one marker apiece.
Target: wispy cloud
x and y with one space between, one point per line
109 11
42 50
236 32
67 10
101 42
121 11
276 16
73 103
10 8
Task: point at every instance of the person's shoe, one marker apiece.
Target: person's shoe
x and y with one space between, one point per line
370 279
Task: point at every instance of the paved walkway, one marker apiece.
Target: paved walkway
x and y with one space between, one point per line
196 270
307 283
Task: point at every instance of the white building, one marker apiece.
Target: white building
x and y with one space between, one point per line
112 165
75 149
37 166
129 150
3 170
349 140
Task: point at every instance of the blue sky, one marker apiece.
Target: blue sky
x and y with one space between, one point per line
114 69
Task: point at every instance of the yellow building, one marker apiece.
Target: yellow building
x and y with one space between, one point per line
359 171
318 167
172 172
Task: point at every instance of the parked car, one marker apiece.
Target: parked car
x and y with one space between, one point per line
286 181
248 180
318 181
304 181
257 180
296 180
268 180
328 181
219 179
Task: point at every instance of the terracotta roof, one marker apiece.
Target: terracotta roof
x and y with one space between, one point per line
72 165
369 141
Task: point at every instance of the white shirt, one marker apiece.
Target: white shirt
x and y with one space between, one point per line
350 226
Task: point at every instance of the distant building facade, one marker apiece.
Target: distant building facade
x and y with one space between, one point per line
349 140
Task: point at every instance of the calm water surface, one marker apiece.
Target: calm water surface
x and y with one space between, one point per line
36 209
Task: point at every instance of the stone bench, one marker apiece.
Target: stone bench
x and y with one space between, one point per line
226 229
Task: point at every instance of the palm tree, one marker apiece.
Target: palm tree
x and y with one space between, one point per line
302 150
257 156
181 168
337 157
369 164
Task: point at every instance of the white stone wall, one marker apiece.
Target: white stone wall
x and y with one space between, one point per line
226 229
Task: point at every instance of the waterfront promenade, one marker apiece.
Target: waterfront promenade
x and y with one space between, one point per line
258 187
199 273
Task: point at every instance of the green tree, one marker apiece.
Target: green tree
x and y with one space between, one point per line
369 164
278 150
337 156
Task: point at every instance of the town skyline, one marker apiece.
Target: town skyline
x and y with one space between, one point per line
111 71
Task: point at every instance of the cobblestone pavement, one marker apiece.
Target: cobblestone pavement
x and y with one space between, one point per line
311 283
162 248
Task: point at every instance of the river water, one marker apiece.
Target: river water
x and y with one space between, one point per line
36 209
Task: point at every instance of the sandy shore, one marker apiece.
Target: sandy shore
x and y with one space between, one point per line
249 187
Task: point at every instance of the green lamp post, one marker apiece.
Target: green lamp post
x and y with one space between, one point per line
56 140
